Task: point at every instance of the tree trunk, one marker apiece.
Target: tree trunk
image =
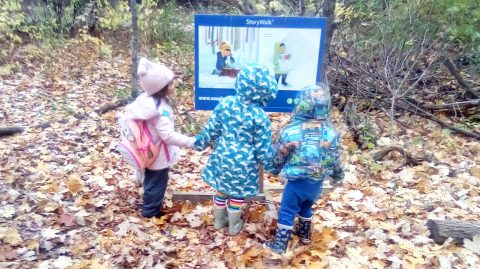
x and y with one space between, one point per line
440 230
329 13
133 10
302 8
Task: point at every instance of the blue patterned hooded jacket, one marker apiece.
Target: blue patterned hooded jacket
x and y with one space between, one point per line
240 132
317 155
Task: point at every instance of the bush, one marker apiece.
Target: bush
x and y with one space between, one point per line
11 19
164 25
456 22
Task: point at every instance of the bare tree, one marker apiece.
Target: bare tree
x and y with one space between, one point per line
134 44
329 13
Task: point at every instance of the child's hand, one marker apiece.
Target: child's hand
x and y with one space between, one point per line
287 148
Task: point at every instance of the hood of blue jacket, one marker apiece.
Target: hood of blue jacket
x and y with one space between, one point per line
313 103
256 84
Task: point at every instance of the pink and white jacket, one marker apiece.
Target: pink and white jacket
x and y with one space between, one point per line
162 126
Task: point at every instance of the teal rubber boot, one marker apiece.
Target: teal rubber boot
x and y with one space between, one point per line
235 222
220 215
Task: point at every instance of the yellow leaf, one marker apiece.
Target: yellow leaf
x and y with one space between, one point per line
475 171
74 185
422 186
352 146
10 236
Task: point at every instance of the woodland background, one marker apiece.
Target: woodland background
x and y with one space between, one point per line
406 90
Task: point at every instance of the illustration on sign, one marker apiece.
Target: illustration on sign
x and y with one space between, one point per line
290 46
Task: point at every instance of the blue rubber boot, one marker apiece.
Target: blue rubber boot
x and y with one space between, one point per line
282 236
303 229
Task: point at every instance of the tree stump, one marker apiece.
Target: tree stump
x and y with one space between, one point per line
440 230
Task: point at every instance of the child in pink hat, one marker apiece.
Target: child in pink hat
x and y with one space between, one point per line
154 106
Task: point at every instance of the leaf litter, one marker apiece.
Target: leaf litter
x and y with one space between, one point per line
66 201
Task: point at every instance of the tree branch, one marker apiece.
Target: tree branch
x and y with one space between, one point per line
454 71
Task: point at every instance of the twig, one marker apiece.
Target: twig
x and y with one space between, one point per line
183 120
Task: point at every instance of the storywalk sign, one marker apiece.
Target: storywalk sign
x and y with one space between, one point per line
291 46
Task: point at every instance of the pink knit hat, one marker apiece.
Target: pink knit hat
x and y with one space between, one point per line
153 76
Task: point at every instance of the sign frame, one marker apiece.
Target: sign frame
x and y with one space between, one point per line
206 98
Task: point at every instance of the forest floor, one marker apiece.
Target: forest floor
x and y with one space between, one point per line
66 202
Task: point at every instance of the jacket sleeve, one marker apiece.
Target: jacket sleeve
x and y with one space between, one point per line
275 162
164 128
212 130
220 62
338 173
262 138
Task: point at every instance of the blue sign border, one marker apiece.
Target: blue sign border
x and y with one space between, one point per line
207 98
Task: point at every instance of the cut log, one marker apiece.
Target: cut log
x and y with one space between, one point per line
441 230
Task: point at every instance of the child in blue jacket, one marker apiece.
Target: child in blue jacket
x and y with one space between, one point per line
306 166
240 132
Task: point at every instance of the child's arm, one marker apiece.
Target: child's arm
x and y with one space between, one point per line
220 62
211 131
281 153
262 138
166 131
338 173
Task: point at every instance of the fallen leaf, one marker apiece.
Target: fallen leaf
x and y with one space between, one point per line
475 171
62 262
7 211
473 245
50 233
74 184
7 253
67 219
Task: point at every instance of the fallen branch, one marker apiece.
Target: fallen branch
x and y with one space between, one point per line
409 159
112 106
6 131
454 106
454 71
440 230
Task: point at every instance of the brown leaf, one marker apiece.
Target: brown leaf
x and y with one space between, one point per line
251 255
7 253
321 240
67 219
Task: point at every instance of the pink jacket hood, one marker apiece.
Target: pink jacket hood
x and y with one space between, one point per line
143 108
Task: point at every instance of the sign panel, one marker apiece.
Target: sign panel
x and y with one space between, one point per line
291 46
